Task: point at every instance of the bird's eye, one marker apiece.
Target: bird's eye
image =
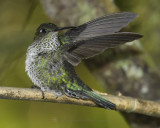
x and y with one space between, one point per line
43 31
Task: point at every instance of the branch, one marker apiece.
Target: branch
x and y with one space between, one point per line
123 103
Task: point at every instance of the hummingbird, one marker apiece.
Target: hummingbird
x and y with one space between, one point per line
51 58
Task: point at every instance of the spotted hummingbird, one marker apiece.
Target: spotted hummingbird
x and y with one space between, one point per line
52 56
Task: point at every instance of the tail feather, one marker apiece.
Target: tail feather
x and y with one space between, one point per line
100 100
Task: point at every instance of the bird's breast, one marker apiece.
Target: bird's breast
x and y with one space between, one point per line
44 70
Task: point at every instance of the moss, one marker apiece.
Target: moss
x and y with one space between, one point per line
130 68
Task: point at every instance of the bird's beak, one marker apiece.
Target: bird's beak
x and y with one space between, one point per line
63 28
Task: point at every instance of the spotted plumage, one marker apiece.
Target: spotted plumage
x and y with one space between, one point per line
51 57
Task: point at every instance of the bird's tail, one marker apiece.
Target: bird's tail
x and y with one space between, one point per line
100 100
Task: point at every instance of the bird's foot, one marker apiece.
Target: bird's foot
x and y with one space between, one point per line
36 87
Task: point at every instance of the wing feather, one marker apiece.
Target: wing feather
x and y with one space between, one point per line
107 24
96 45
95 36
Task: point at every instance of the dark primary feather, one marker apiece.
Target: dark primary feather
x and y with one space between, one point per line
95 36
96 45
105 25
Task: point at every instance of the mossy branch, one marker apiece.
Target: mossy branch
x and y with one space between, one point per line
123 103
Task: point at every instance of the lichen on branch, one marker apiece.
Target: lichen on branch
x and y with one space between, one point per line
123 103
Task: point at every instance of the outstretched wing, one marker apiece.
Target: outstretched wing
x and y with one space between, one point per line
97 35
105 25
96 45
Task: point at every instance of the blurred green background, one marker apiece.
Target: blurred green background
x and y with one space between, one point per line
17 32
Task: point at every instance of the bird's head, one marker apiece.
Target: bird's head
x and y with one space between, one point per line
44 29
46 38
